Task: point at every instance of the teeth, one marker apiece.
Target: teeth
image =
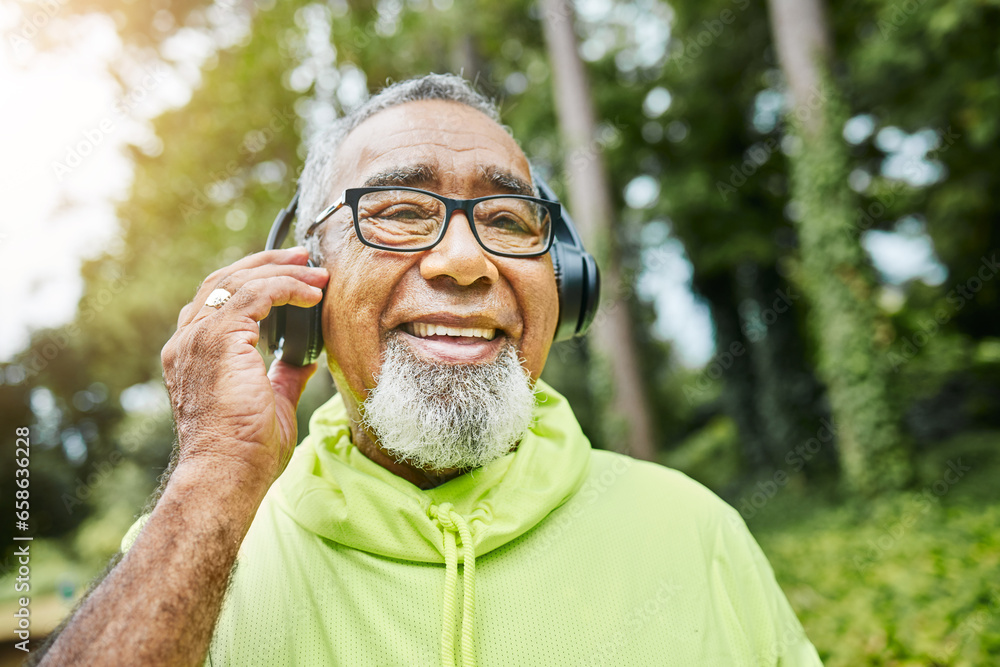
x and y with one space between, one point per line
422 330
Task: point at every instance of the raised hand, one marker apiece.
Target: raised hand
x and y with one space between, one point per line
232 415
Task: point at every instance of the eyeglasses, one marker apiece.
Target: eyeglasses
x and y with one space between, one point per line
410 220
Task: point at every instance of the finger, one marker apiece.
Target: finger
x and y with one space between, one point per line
254 299
290 381
287 256
297 255
312 275
315 276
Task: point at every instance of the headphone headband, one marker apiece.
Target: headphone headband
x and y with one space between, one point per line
282 224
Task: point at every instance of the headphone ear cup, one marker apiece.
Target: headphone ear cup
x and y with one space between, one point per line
566 325
591 299
272 330
577 277
303 340
578 282
294 334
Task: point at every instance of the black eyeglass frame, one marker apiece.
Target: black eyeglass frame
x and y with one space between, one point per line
351 196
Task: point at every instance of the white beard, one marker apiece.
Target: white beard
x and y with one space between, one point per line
440 416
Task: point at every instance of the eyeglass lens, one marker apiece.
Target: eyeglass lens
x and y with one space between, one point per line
411 220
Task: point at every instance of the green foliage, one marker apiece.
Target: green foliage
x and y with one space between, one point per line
230 157
117 502
724 191
907 579
711 455
933 65
837 278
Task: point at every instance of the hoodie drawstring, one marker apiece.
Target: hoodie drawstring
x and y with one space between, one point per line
452 522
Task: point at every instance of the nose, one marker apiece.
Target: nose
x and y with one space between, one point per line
459 256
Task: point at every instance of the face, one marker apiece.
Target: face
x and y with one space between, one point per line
373 295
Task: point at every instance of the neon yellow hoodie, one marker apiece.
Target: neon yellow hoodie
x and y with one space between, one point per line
553 555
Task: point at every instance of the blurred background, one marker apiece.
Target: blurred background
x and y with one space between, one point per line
794 211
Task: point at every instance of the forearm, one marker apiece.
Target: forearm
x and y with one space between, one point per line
236 430
159 605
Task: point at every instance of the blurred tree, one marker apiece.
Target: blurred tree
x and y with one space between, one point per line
709 130
837 274
925 84
629 420
202 202
933 69
701 121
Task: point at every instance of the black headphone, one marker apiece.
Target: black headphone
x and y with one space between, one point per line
295 335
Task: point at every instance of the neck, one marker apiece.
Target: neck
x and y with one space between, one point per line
419 477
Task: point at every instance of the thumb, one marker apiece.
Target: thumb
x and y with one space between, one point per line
290 381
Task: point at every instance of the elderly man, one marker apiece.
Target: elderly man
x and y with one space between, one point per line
445 507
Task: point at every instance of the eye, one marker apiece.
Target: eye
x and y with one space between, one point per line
405 212
402 213
509 223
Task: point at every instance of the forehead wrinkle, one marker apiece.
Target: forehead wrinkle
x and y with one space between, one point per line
443 137
382 154
436 128
395 156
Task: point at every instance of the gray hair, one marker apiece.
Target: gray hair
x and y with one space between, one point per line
318 174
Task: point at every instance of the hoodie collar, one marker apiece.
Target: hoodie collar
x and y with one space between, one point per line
335 491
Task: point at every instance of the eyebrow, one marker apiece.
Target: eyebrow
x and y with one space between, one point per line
504 181
424 175
411 177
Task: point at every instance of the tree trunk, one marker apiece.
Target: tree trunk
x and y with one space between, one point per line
589 195
837 277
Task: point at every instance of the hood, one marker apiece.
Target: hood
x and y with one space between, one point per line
330 488
333 490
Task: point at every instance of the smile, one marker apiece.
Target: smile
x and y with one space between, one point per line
421 330
453 345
